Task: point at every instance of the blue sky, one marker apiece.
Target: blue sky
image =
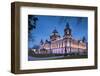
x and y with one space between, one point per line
46 24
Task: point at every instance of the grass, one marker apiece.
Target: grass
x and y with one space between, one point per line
64 56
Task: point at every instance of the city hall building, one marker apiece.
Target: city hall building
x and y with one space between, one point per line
65 45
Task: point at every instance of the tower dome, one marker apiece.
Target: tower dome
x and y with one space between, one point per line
67 31
55 32
55 35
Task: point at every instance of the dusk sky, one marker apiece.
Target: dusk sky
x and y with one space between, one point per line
46 24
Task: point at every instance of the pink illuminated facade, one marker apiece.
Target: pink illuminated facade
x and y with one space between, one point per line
65 45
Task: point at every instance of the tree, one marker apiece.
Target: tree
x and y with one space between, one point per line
32 20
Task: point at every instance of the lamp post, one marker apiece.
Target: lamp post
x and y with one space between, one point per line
78 47
65 47
70 46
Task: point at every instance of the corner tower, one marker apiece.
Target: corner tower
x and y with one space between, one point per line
67 32
67 39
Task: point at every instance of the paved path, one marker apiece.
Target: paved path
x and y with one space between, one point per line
30 58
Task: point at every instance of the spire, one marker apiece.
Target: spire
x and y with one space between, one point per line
67 25
46 41
55 31
41 42
83 39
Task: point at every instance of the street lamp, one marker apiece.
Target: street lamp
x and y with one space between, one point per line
78 47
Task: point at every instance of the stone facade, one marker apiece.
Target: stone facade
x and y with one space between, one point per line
65 45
